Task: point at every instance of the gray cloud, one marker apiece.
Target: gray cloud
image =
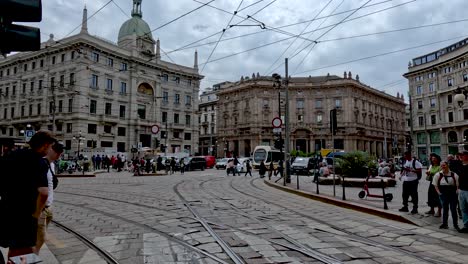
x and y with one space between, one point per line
60 17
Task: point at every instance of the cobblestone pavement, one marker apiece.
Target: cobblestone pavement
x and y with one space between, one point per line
143 220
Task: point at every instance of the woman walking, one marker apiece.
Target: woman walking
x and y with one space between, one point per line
262 170
433 200
446 184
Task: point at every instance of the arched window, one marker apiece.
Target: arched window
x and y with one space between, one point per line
465 136
452 137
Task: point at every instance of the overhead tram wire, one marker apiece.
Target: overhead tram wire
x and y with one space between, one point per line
222 34
240 10
383 54
281 40
291 43
88 18
190 45
315 44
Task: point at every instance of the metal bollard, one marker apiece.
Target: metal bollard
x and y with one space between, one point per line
384 196
343 184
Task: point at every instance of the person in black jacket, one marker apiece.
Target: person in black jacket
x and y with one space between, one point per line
262 170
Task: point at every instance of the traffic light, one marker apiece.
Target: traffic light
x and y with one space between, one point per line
333 122
279 142
156 142
16 37
162 148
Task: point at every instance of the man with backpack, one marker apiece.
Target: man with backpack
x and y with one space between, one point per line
410 175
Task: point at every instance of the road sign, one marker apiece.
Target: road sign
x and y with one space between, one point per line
155 129
277 130
28 134
277 122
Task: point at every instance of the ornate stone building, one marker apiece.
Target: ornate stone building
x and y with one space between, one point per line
89 89
439 123
368 119
207 121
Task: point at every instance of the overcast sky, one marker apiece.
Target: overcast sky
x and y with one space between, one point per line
306 58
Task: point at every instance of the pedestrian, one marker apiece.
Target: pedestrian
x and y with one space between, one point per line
24 194
262 169
236 163
433 199
46 214
324 170
182 165
98 162
410 178
93 159
271 170
280 169
107 162
463 191
173 165
445 183
248 168
230 167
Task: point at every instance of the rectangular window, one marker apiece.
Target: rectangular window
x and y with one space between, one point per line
433 119
22 111
41 63
419 90
70 105
433 102
188 136
92 128
265 102
465 114
12 112
39 109
95 56
32 87
92 107
33 65
164 117
52 82
176 118
30 110
62 81
72 78
5 113
421 138
165 77
15 70
450 82
63 58
60 106
450 116
141 111
465 77
108 110
431 87
73 55
187 120
121 131
25 67
51 107
165 97
177 80
24 88
94 81
53 59
300 118
319 118
449 98
121 147
318 104
13 90
175 134
123 66
300 103
177 99
107 129
110 62
69 127
188 100
122 111
123 87
40 85
420 105
338 103
421 121
109 85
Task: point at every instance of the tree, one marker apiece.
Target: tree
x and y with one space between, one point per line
356 164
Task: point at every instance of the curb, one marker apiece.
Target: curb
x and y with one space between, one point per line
76 175
150 174
346 204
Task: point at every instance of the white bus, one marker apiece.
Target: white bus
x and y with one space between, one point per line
266 154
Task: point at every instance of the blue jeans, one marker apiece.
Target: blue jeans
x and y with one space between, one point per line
463 199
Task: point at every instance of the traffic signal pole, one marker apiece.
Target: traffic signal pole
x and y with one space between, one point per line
286 128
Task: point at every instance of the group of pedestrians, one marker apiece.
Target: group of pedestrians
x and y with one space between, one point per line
448 188
26 194
105 162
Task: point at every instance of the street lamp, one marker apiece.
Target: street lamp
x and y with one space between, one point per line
461 94
79 138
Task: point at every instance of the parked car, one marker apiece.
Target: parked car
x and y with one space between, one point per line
221 163
210 161
301 166
196 163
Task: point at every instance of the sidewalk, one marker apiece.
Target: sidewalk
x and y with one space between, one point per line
45 254
369 205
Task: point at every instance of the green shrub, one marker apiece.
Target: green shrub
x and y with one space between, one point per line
356 164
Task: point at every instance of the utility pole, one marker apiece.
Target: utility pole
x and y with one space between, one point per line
286 127
411 124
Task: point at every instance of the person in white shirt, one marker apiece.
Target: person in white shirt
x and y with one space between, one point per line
446 185
46 214
409 176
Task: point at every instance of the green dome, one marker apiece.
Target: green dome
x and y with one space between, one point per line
135 25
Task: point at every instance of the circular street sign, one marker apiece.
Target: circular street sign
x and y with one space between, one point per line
155 129
276 122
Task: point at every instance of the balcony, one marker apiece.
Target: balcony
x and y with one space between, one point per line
176 126
112 119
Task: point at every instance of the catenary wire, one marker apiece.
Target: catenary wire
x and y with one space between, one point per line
222 34
294 40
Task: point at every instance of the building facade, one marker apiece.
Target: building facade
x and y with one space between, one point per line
207 120
368 120
438 123
95 93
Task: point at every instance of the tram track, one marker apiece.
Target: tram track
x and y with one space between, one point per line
352 236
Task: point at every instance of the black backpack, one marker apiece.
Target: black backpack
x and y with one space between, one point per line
418 173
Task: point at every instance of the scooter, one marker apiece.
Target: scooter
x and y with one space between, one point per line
365 192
